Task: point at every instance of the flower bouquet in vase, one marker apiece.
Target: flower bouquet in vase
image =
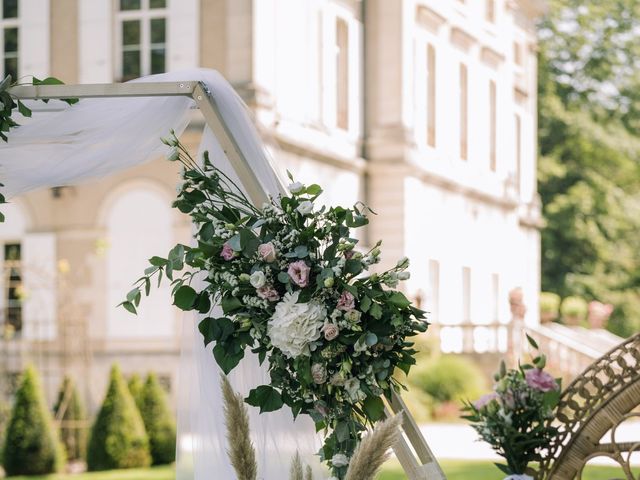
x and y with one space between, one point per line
294 289
514 418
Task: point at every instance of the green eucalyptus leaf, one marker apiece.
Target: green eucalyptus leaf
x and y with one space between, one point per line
234 243
283 277
158 261
129 307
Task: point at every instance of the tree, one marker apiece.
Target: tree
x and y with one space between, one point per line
158 421
118 438
589 166
135 388
32 444
70 411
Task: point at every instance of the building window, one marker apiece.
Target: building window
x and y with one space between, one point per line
490 11
466 295
431 95
492 125
12 273
464 110
142 27
9 33
342 74
518 140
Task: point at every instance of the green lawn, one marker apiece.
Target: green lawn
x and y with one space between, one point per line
154 473
455 470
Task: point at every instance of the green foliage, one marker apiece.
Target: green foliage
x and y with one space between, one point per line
287 276
549 303
5 415
574 309
70 411
589 166
158 421
118 438
136 386
32 445
448 378
516 418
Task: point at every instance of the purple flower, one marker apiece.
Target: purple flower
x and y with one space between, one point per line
346 302
540 380
267 292
299 273
227 252
485 400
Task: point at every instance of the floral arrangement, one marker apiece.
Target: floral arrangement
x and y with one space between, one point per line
514 418
294 288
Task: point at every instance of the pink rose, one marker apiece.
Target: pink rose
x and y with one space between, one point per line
540 380
227 252
485 400
299 273
267 252
346 302
331 331
267 292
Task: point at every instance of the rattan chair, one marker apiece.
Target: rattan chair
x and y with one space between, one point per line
598 401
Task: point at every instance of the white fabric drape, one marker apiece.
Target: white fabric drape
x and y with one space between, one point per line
98 137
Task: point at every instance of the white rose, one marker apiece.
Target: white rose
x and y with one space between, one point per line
305 207
339 460
294 325
258 279
296 187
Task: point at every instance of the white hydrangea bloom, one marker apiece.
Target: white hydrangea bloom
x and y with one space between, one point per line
294 325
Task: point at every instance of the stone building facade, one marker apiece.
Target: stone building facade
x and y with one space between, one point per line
424 109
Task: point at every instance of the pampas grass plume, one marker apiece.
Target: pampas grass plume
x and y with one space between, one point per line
241 451
373 450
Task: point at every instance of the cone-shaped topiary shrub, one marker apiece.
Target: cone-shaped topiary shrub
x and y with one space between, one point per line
32 444
118 438
135 387
158 421
69 410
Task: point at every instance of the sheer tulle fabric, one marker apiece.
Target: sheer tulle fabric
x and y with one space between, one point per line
98 137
